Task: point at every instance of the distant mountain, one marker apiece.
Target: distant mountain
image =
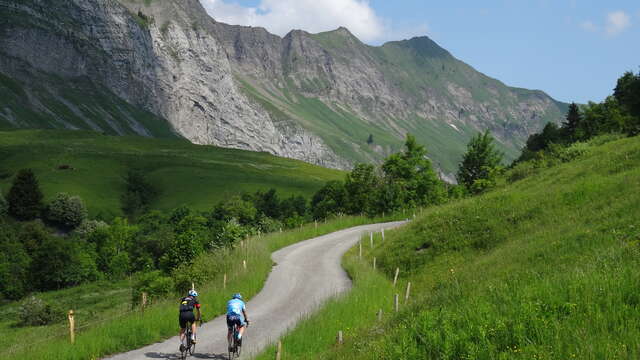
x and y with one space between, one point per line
165 68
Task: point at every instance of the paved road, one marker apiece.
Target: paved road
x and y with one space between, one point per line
306 274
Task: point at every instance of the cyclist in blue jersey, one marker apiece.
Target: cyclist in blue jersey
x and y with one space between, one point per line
236 314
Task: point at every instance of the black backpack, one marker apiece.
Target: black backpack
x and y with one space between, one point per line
187 304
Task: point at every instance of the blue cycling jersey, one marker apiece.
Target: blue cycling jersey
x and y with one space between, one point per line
235 307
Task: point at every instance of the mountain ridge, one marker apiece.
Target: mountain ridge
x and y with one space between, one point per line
313 97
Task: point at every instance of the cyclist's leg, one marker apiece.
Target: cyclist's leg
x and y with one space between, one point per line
229 331
242 325
183 326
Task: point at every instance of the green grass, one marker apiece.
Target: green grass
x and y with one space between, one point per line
184 173
545 268
104 311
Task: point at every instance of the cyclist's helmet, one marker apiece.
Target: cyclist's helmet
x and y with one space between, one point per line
237 296
193 293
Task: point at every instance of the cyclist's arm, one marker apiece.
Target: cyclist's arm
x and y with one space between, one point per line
246 318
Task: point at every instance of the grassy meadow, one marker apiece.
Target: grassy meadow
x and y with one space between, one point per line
184 173
547 267
108 322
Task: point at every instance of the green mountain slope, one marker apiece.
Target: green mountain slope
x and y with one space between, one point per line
184 173
545 268
343 90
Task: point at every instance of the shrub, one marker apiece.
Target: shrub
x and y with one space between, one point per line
36 312
89 226
4 206
67 211
154 284
25 197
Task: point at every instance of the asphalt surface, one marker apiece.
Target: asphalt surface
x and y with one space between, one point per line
306 275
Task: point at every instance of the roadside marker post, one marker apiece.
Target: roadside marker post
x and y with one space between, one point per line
396 301
360 252
380 315
244 264
371 239
382 234
279 351
374 263
144 300
406 295
340 337
72 325
224 281
395 278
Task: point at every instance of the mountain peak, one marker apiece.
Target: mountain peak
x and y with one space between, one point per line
423 46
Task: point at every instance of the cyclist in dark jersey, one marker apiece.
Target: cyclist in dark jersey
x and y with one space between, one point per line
187 305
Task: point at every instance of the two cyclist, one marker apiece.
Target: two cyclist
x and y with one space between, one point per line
236 315
188 304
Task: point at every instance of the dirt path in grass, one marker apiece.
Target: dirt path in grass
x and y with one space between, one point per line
306 275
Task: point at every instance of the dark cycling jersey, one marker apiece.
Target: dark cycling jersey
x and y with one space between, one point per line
188 304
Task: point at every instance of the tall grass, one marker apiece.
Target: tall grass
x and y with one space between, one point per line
545 268
100 334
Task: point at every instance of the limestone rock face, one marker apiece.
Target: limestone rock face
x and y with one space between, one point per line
166 68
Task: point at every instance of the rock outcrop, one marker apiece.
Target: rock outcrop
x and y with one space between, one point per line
166 68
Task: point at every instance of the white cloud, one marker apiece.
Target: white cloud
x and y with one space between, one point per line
281 16
589 26
617 22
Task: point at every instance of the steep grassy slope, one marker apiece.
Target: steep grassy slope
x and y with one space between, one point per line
545 268
184 173
344 91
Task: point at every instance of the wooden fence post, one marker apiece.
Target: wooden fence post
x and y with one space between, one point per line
72 327
316 224
395 278
374 263
360 252
383 234
244 264
340 337
371 239
224 281
279 351
144 300
406 295
380 315
396 302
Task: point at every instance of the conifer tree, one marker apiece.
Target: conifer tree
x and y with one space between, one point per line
574 118
25 197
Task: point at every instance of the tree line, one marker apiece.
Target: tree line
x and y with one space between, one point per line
618 113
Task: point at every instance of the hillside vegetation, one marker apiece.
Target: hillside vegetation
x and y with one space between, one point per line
94 167
545 267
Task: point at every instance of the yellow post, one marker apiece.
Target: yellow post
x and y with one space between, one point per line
72 325
224 281
279 351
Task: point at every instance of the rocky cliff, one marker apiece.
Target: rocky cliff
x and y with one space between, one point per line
165 68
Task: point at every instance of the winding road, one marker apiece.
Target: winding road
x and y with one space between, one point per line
306 275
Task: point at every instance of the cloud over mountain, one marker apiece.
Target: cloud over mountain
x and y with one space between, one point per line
281 16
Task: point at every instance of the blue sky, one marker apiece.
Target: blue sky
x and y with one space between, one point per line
572 49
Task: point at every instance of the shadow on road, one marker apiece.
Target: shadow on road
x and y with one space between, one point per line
156 355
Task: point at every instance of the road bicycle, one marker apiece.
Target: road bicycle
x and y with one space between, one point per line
236 345
190 347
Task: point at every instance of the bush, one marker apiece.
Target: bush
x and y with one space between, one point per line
36 312
89 226
154 284
25 197
67 211
4 206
